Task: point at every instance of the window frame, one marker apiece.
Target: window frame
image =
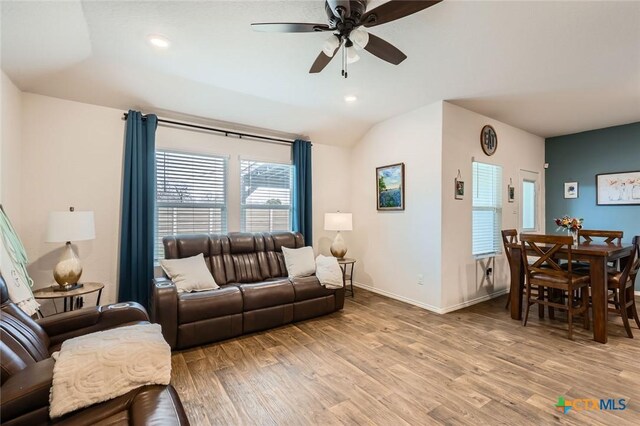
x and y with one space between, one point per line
245 207
158 255
496 209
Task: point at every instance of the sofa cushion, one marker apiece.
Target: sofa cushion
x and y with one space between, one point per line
300 262
189 273
266 294
306 288
223 301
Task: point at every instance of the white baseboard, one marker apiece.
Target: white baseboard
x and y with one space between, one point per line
474 301
428 307
637 293
398 297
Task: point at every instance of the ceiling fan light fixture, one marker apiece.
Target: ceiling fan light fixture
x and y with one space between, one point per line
352 55
359 37
330 45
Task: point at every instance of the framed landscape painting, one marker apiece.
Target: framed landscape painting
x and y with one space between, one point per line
618 189
390 187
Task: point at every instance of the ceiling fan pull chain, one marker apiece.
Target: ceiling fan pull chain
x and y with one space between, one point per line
343 60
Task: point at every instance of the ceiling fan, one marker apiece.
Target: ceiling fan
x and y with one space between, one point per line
346 17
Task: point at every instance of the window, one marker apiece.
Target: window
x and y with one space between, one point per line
265 196
191 195
487 209
529 201
528 205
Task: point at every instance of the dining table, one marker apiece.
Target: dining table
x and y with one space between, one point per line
598 255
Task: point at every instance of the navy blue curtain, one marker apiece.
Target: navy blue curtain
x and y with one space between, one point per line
302 208
138 209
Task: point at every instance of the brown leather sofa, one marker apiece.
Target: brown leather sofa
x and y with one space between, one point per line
27 369
255 292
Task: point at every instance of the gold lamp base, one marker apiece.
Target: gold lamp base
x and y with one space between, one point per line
68 271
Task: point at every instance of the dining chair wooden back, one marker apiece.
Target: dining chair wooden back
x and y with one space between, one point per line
545 273
509 236
621 284
610 237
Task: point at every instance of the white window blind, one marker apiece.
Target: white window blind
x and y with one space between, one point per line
265 196
191 195
487 209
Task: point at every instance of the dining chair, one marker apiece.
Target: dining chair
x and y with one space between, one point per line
610 237
587 236
546 273
509 236
621 285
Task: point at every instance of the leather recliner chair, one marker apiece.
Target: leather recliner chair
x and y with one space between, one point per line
26 346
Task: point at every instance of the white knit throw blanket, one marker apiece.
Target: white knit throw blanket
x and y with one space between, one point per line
100 366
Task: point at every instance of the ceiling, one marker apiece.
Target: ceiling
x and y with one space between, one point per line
550 68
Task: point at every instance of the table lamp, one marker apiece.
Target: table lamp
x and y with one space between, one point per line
66 227
338 222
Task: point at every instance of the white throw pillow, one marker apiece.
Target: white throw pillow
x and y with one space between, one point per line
189 274
299 262
328 271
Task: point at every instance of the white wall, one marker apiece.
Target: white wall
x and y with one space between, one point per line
72 156
11 150
331 191
393 248
517 150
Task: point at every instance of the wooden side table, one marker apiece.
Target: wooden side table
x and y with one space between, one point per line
347 265
72 298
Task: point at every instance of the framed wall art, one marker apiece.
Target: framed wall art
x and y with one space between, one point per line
571 190
618 189
390 187
511 193
459 189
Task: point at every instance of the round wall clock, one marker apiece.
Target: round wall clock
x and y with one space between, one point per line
489 140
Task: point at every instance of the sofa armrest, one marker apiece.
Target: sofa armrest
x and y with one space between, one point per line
27 390
164 308
64 326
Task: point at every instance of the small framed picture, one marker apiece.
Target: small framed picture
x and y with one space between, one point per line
459 189
571 190
511 193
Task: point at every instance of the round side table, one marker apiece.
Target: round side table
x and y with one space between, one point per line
72 298
347 264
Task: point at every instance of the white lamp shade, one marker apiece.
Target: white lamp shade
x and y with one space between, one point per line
360 38
330 45
70 226
352 55
338 222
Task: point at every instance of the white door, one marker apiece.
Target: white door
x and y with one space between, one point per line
529 220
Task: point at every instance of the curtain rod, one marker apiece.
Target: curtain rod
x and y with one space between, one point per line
213 129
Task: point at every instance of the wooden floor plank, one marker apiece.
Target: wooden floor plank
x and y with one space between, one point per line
383 362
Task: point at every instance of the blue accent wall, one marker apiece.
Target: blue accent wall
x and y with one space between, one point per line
579 158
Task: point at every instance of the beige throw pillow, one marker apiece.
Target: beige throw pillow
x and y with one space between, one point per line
189 274
328 271
299 262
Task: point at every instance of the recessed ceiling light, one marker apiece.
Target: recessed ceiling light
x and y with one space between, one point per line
350 98
158 41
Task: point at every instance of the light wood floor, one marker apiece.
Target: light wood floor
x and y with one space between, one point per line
384 362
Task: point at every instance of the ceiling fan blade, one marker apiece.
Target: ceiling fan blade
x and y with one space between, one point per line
384 50
394 9
322 61
289 27
335 4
